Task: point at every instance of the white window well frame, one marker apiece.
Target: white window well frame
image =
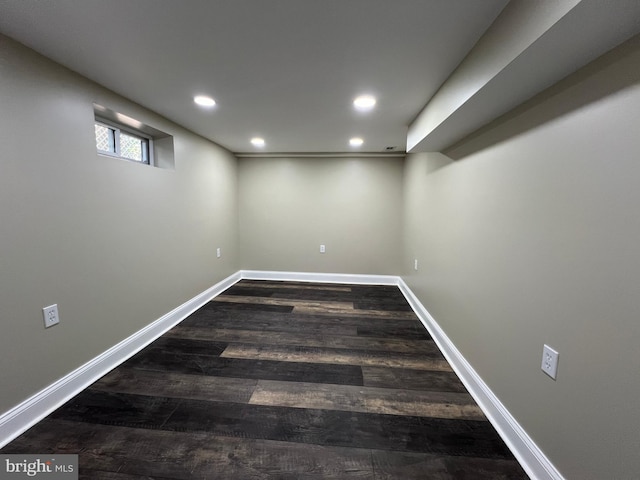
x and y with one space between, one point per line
116 129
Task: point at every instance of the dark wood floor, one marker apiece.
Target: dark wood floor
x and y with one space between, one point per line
281 381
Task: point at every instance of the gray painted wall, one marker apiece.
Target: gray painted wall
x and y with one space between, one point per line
528 233
289 206
115 244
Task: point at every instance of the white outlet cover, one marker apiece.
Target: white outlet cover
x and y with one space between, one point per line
322 249
218 252
415 264
550 361
50 315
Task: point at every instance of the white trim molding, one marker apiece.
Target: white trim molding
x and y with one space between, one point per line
26 414
532 459
320 277
31 411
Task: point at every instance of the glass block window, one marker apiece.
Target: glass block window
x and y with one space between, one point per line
118 141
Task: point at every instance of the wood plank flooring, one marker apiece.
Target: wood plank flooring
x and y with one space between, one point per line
281 380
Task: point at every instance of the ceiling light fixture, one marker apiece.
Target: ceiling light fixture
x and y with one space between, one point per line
204 101
257 142
356 142
364 102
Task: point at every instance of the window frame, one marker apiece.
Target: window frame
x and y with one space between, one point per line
116 129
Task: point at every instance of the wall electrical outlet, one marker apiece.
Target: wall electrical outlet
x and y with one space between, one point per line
550 361
50 315
322 249
415 264
218 252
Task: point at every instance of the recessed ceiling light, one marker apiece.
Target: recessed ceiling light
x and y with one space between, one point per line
257 142
364 102
204 101
356 142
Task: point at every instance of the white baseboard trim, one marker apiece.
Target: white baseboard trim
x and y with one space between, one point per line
23 416
320 277
20 418
532 459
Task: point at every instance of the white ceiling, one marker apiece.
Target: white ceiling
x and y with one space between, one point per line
286 70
